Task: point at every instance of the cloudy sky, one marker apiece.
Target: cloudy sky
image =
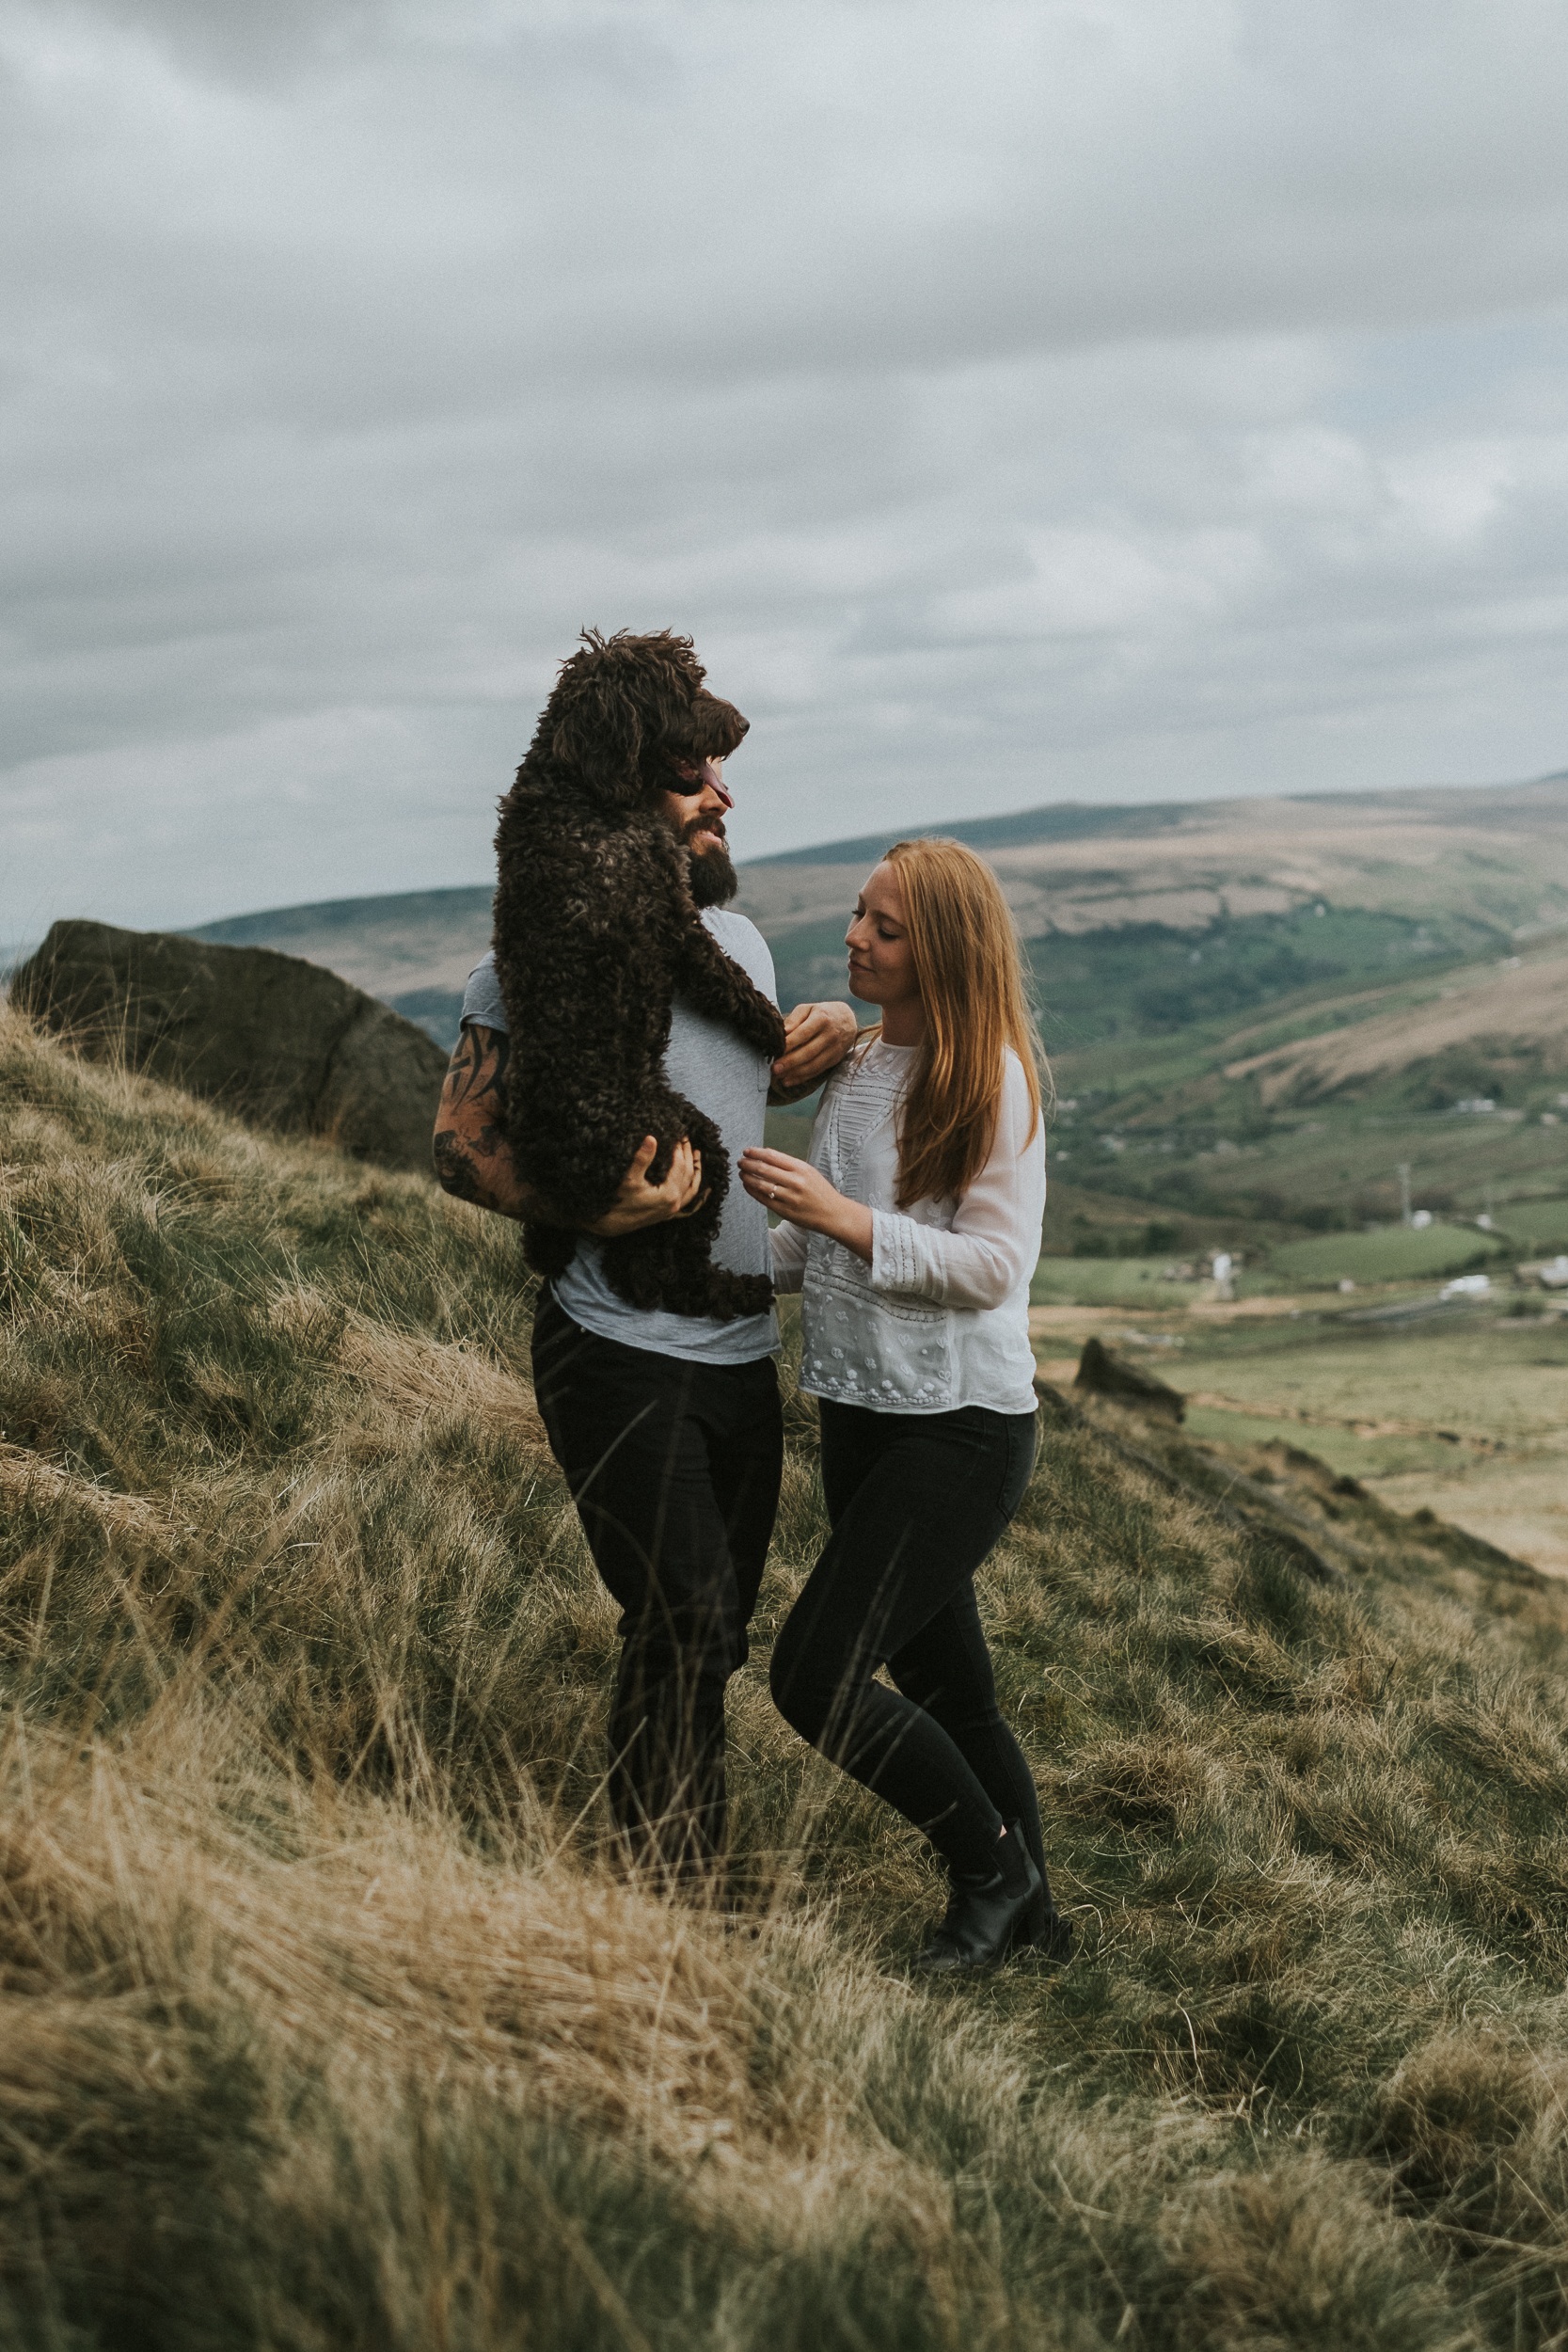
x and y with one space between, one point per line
1099 400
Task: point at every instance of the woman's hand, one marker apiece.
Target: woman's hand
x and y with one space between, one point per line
794 1190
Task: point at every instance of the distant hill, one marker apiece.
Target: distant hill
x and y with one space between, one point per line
1491 1016
1307 1109
1468 864
1141 920
1068 821
413 950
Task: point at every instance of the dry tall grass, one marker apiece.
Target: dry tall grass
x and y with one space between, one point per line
324 2020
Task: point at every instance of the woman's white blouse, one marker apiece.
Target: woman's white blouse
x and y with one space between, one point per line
939 1318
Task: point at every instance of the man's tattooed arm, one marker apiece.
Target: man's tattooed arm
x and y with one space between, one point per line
473 1159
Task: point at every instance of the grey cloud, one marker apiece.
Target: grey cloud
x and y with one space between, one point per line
276 46
1017 402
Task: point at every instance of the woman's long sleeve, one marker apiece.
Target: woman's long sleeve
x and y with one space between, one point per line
787 1244
994 1241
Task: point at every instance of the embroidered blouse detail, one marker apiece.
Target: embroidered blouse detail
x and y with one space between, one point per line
939 1318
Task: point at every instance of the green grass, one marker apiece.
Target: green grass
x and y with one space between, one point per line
1344 1452
1400 1253
791 1130
1107 1281
326 2017
1537 1229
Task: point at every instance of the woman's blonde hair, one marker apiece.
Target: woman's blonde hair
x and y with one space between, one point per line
976 988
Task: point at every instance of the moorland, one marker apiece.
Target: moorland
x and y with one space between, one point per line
326 2017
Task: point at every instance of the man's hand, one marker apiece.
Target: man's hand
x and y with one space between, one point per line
473 1160
816 1037
639 1202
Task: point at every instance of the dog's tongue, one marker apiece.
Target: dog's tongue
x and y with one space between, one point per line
711 775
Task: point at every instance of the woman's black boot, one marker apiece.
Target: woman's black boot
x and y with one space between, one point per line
1043 1929
985 1912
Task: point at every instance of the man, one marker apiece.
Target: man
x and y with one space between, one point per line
667 1426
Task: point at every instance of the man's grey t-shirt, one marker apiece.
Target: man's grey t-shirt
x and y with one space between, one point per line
728 1079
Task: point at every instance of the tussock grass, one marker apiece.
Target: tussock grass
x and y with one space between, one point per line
327 2019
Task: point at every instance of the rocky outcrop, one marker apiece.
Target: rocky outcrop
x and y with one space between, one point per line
1111 1375
284 1042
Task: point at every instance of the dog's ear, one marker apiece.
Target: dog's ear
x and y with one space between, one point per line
598 733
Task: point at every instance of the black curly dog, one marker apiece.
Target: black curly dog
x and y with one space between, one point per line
595 929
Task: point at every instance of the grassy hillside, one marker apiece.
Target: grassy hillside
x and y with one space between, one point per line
326 2019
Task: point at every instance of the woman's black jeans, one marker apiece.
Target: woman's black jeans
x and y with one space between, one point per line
916 1501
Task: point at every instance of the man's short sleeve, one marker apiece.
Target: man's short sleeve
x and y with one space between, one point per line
482 1007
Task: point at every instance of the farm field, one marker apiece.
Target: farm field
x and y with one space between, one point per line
1496 1387
1394 1253
1108 1282
1464 1412
1342 1161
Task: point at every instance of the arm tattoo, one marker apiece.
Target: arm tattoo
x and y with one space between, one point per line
454 1169
478 1065
473 1161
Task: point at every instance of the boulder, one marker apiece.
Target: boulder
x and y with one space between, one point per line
1128 1384
284 1042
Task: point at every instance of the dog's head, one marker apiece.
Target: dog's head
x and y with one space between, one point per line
627 711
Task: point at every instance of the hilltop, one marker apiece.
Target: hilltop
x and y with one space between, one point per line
1258 1010
1399 874
1446 869
326 2018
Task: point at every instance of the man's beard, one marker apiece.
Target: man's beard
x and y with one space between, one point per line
714 879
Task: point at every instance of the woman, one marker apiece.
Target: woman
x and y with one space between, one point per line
914 1230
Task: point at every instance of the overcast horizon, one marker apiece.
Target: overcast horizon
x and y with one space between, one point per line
1110 403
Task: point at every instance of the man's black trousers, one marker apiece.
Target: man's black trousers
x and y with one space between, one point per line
674 1469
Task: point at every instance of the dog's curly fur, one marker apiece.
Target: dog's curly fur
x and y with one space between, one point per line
595 929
